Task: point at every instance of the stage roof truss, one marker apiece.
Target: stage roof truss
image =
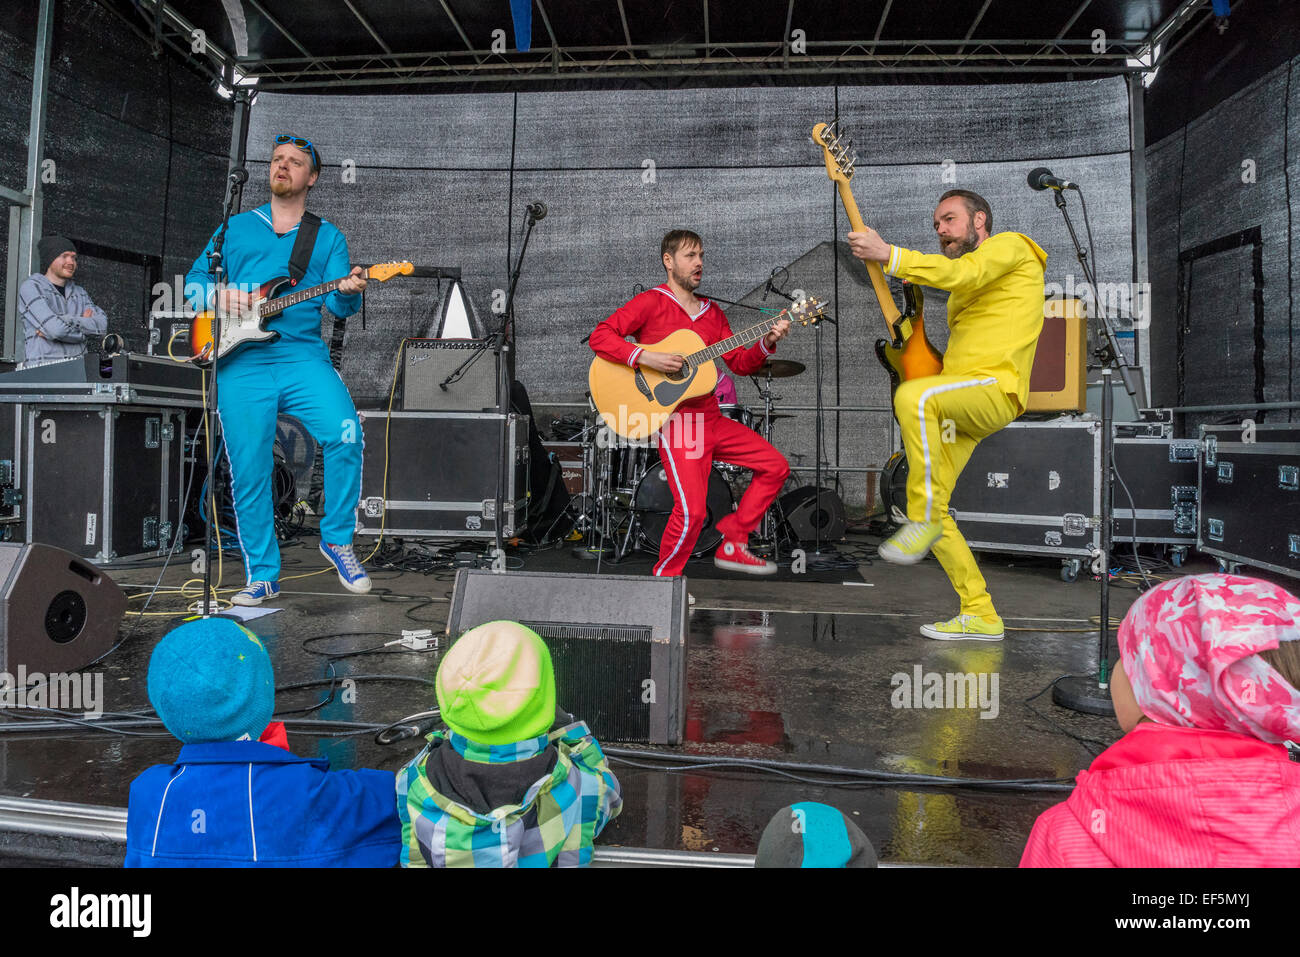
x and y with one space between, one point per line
698 52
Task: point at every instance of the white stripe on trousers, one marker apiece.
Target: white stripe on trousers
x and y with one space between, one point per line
665 446
925 442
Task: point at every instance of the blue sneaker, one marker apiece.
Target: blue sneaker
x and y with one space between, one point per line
344 560
255 593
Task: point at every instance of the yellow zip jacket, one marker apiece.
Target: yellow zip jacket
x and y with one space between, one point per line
995 311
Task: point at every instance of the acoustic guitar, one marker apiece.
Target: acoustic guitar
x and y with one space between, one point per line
907 353
250 326
636 403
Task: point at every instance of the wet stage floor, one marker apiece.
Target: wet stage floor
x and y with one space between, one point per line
790 669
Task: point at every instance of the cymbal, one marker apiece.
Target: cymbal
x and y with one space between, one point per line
781 368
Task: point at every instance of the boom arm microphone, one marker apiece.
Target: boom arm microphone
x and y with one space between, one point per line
1042 178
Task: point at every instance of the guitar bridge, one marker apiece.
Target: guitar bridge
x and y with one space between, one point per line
642 386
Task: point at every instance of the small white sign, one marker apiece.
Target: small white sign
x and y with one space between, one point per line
92 527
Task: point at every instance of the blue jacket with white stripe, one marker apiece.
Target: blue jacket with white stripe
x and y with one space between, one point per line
255 254
249 804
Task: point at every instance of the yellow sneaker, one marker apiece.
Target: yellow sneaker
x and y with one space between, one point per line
965 628
911 543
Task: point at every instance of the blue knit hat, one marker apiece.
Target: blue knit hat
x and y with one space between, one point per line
809 834
211 680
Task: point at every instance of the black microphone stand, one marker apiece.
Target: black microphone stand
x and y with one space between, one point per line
1091 693
216 267
503 348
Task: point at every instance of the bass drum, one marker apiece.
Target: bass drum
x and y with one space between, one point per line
654 502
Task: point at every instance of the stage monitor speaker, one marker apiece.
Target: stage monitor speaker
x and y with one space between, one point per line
805 517
618 643
58 612
1058 380
427 362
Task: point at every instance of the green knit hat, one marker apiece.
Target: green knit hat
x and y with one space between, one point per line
496 685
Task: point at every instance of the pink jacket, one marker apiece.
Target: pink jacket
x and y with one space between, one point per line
1163 796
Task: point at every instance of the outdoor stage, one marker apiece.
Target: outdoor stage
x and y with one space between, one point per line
798 668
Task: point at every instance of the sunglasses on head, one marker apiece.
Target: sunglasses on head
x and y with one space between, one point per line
302 144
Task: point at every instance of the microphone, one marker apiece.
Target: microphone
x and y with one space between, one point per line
1042 178
536 211
238 176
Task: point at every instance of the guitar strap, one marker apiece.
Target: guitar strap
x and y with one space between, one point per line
303 246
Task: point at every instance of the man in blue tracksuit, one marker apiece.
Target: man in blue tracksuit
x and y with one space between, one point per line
292 375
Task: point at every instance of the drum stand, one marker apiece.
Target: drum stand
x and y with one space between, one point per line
596 478
772 519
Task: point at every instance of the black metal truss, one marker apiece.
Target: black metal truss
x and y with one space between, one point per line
823 58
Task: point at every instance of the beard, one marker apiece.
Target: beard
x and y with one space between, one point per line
281 188
960 247
686 280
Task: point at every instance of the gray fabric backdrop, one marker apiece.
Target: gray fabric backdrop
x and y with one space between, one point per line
443 180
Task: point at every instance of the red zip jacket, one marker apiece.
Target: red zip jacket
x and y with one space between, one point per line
1176 797
653 316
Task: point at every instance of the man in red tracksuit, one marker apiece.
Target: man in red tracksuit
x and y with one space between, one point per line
697 434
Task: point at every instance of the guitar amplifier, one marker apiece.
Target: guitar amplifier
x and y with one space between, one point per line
426 363
1058 381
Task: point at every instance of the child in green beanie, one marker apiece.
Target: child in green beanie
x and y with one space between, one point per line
514 781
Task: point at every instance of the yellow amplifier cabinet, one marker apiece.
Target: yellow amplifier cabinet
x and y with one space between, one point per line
1059 380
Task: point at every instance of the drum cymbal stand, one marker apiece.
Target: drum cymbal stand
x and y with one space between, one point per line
595 486
768 529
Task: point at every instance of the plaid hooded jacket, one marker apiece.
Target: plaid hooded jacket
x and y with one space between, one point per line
555 823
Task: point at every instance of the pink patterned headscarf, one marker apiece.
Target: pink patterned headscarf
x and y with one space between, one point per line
1189 650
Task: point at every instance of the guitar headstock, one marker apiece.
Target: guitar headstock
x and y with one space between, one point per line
837 152
382 272
806 311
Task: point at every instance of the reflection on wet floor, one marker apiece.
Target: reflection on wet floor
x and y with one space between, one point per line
850 684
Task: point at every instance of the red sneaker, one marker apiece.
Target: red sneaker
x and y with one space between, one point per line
736 557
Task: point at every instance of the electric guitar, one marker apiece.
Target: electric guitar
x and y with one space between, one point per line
636 403
907 353
250 326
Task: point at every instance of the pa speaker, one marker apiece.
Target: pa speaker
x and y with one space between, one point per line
58 612
810 520
617 642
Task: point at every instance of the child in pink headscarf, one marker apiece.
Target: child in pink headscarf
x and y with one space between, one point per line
1206 774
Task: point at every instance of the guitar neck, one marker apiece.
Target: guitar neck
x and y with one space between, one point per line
302 295
878 281
743 338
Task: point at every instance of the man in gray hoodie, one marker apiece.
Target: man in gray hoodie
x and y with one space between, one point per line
57 313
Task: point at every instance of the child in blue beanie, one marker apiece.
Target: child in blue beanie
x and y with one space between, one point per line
231 800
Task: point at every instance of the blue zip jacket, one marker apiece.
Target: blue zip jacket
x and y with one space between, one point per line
248 804
255 254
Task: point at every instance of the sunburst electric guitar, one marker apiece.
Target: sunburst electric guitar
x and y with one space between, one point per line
636 403
907 353
250 326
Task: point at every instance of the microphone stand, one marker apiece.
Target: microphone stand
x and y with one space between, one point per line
217 269
503 347
1091 693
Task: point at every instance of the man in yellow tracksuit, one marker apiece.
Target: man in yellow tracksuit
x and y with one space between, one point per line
995 313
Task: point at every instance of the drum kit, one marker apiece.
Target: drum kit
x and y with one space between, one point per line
626 496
